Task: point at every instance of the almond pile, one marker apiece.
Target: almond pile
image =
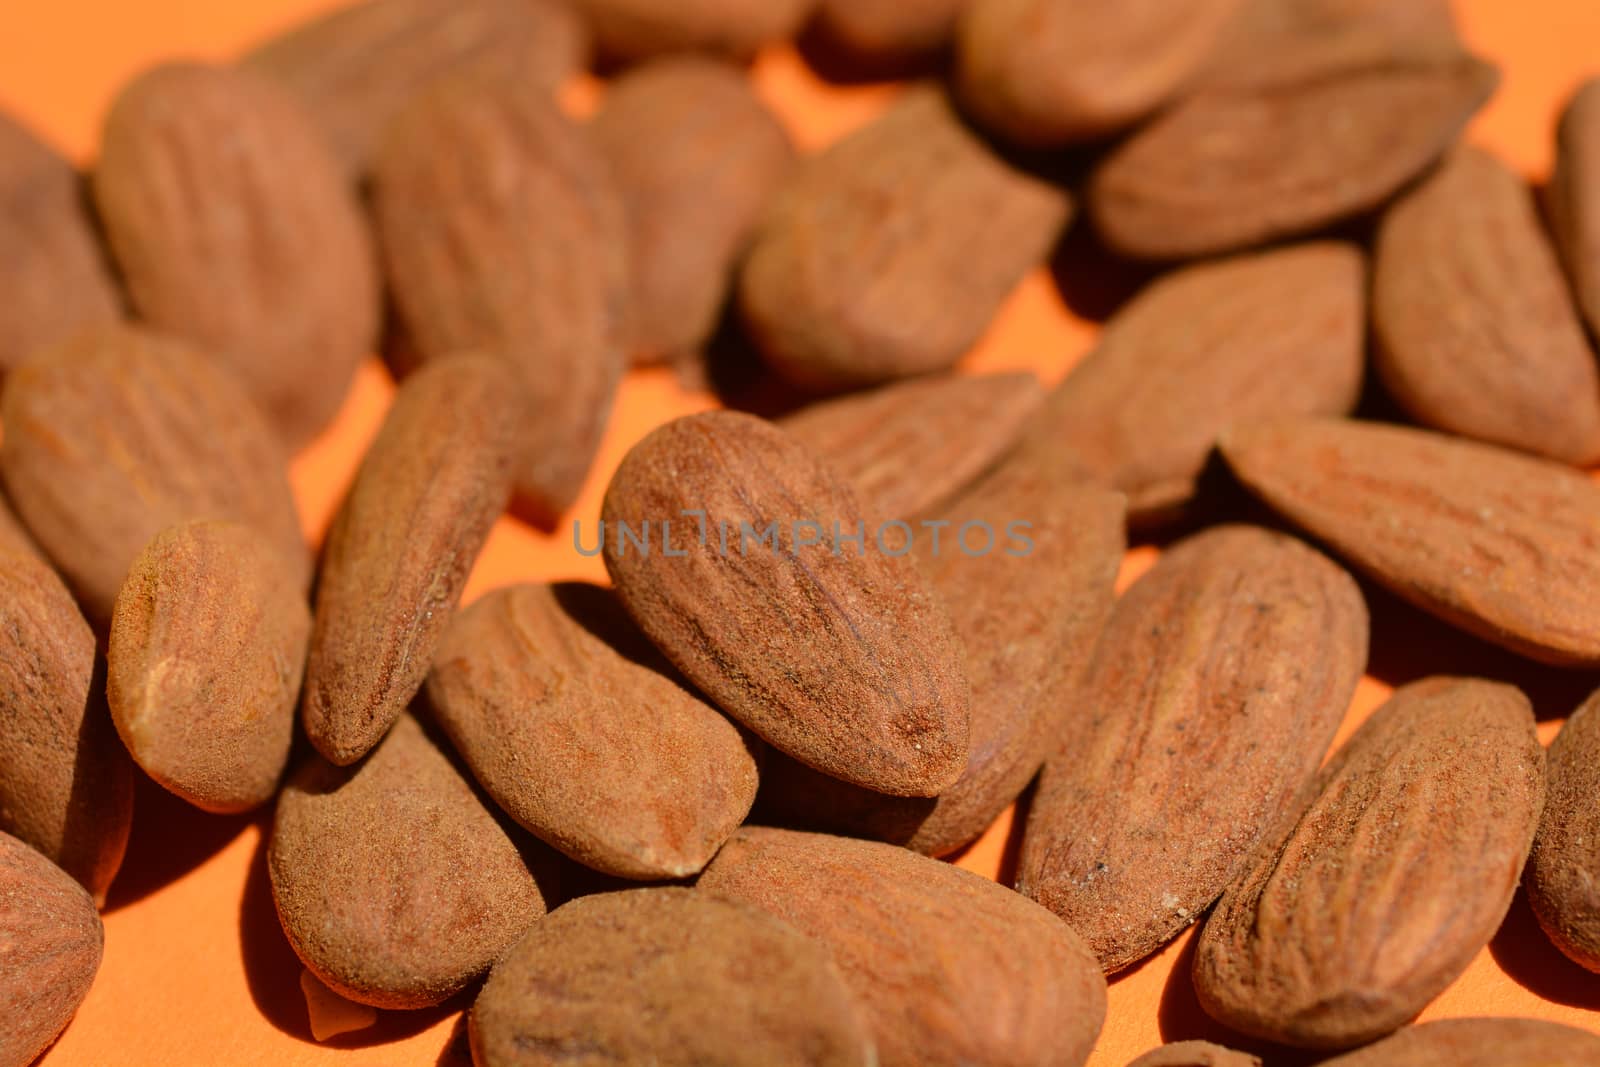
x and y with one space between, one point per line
697 817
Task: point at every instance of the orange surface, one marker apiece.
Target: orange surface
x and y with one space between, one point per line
196 969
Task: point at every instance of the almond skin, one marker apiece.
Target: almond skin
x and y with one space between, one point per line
51 942
949 967
208 647
578 728
1394 878
1195 1054
216 191
394 883
718 981
1216 690
399 552
1563 870
1502 545
117 434
1274 333
1479 1043
633 30
843 659
52 270
888 255
66 784
503 233
889 31
1477 332
1573 197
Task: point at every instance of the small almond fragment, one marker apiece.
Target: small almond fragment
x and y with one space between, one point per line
1479 1043
1573 197
632 30
1564 870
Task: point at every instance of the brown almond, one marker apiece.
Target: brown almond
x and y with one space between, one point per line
1044 73
949 967
502 233
118 434
208 647
1027 615
910 446
631 30
696 156
1230 168
394 883
1573 197
1476 328
669 977
1393 879
219 197
1497 543
1274 333
891 31
66 784
1216 689
51 270
399 552
888 255
840 656
14 537
1195 1054
584 734
1563 871
356 67
51 942
1479 1043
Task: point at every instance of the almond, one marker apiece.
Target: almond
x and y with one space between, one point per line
1195 1054
14 537
1563 871
889 30
1502 545
1393 879
1479 1043
949 967
631 30
669 977
1573 199
841 657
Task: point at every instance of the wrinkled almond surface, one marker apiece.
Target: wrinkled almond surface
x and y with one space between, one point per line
1573 197
631 30
1564 871
1479 1043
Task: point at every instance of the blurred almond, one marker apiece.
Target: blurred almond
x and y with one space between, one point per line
632 30
1195 1054
879 31
1573 197
1479 1043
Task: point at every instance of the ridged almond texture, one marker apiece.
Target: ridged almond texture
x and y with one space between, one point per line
949 967
888 255
117 434
1479 1043
1274 333
1397 874
208 647
1027 616
668 977
218 196
632 30
1564 871
889 30
356 67
66 784
697 157
1573 197
394 883
1477 332
583 733
51 942
399 552
1214 693
503 233
836 653
1502 545
1195 1054
51 267
1045 73
911 446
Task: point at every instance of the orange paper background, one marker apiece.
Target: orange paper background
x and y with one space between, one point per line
196 969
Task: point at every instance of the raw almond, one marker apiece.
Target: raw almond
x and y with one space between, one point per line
66 785
218 195
503 234
208 647
1195 1054
839 656
1479 1043
51 942
14 537
1215 691
1044 73
669 977
697 156
949 967
1563 871
395 885
1274 333
51 270
397 558
1393 879
889 31
910 446
578 728
1502 545
888 255
356 67
1477 333
631 30
1573 197
118 434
